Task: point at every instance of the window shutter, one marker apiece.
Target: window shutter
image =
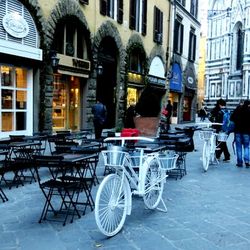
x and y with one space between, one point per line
161 25
144 17
181 39
194 48
190 46
103 7
176 36
155 24
120 11
132 14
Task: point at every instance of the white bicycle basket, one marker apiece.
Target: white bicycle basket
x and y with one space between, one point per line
205 134
168 160
114 156
222 137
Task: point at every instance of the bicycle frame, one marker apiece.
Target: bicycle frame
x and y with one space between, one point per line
211 144
134 178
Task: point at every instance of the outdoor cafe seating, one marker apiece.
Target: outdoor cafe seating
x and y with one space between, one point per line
67 180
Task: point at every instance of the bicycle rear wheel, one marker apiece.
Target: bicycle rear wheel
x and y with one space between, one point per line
206 155
111 205
153 184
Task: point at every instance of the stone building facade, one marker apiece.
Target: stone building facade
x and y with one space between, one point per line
227 59
108 50
184 58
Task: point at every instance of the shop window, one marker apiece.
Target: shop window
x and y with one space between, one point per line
113 9
158 25
15 93
66 103
138 16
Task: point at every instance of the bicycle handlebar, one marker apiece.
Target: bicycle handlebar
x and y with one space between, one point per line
129 138
208 124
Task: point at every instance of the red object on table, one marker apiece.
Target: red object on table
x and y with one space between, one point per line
127 132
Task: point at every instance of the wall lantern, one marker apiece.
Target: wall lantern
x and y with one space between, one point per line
99 69
54 59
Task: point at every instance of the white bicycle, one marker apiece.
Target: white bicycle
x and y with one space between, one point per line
133 173
209 147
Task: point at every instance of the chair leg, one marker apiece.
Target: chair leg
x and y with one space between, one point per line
3 195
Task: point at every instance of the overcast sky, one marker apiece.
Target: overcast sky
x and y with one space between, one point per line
203 15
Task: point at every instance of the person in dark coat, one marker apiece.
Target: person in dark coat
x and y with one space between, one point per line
241 119
100 115
129 116
202 114
216 115
169 109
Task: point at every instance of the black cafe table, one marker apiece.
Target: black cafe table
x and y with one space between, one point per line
69 184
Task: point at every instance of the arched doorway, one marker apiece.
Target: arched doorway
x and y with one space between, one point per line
106 79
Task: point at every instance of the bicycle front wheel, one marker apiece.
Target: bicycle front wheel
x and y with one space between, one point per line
111 205
206 155
153 184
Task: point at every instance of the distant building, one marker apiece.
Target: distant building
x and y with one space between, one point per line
228 52
184 57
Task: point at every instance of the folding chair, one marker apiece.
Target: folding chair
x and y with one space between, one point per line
58 185
2 194
84 175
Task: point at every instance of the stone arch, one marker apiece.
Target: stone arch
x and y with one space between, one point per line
109 30
135 42
157 51
63 9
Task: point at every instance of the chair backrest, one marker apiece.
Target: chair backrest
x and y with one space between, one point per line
16 138
51 162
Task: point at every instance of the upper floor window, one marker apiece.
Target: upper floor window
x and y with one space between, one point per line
113 9
239 57
138 16
70 40
135 62
192 45
194 8
158 25
178 35
182 2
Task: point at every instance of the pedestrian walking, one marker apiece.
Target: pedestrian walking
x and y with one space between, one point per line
130 114
169 109
202 114
100 115
217 115
240 117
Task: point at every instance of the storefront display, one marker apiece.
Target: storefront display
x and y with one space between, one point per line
16 97
66 103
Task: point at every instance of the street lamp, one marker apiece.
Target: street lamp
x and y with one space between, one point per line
99 69
54 59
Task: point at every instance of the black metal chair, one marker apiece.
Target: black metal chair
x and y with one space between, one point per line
2 173
64 182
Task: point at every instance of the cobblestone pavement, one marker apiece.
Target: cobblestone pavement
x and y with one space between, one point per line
205 211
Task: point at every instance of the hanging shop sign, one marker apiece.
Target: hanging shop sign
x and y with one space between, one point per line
190 80
176 78
15 25
161 82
